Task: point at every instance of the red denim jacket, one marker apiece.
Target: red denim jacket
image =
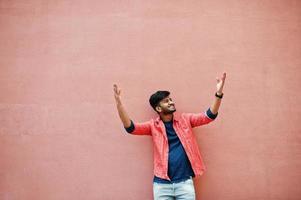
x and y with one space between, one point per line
183 124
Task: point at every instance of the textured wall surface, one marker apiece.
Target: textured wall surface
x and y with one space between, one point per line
60 135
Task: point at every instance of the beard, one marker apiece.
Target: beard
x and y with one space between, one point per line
167 111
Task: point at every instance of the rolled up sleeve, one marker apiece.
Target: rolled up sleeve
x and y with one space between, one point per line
210 114
199 119
139 128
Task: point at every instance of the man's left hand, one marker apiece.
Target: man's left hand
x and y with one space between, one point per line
220 83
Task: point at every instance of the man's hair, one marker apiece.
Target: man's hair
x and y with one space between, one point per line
157 97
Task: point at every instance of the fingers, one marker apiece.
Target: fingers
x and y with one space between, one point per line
224 77
116 89
224 74
221 79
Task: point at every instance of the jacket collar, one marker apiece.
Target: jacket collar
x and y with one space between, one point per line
175 118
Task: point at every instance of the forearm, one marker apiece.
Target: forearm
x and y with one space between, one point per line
123 115
215 105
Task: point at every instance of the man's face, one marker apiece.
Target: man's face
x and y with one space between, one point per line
166 106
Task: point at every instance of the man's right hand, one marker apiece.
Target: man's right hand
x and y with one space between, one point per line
117 92
121 111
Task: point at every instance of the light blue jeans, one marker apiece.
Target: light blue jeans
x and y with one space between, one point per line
174 191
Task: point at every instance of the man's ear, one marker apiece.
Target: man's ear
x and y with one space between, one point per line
158 109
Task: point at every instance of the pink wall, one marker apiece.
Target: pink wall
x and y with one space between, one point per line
60 135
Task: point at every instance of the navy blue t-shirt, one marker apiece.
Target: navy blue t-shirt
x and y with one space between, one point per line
179 167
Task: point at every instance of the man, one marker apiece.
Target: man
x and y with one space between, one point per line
176 155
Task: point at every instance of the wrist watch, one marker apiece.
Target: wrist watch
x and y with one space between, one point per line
219 96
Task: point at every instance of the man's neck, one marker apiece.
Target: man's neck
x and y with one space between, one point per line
166 118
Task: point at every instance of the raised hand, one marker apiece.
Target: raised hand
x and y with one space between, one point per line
121 110
117 93
220 83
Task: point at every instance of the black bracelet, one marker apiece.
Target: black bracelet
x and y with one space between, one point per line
219 96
